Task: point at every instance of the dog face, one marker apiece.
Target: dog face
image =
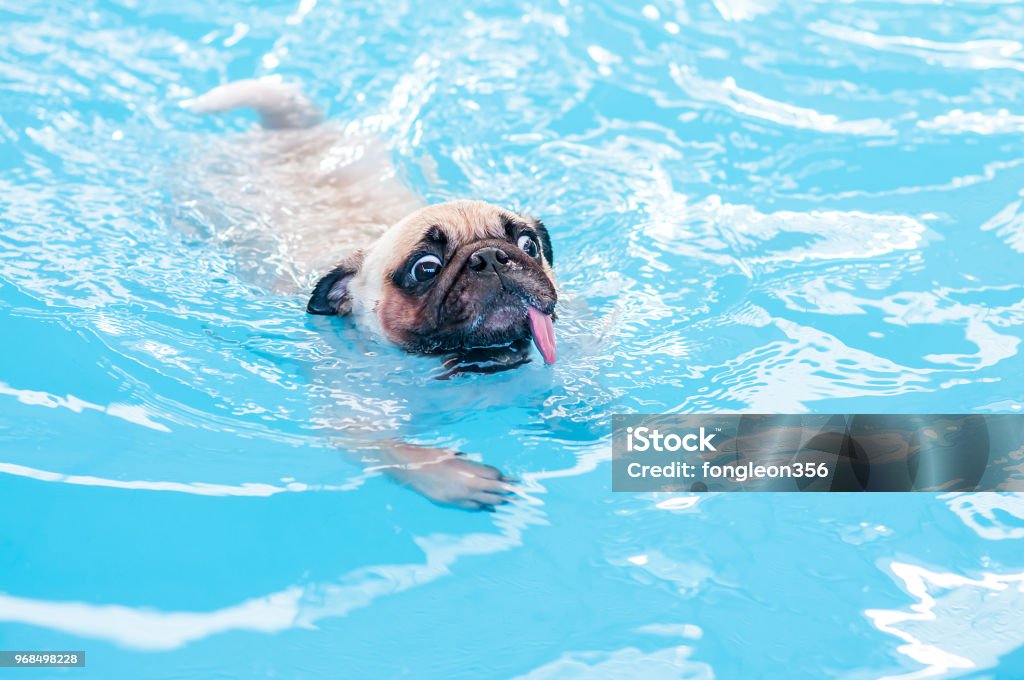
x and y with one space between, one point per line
450 277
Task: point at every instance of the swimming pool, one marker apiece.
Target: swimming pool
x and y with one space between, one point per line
754 206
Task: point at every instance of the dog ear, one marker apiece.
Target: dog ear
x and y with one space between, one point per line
545 239
331 294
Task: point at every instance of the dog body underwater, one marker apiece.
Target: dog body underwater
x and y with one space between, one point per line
464 278
467 279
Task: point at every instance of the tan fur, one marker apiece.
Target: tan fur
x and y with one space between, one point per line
396 313
291 202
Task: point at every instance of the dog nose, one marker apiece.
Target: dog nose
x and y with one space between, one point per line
488 258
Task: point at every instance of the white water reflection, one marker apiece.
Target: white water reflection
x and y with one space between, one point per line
958 121
738 234
743 10
149 629
969 54
1008 224
132 413
957 624
146 628
983 324
246 489
670 663
993 516
296 606
749 103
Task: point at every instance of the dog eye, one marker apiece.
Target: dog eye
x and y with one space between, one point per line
527 245
426 268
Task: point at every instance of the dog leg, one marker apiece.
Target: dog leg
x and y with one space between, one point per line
441 475
280 105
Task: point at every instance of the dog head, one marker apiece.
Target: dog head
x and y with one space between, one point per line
448 278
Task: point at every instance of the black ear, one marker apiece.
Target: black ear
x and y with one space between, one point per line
545 239
331 295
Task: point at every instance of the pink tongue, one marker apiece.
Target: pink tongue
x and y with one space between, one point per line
543 333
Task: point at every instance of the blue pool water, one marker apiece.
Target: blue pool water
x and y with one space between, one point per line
755 206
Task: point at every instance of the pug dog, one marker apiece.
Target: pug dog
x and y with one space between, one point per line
466 280
450 278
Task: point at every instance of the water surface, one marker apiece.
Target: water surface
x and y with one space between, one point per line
755 206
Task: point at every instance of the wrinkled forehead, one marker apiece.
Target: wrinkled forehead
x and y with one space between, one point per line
451 225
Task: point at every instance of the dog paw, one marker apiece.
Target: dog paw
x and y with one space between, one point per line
449 479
